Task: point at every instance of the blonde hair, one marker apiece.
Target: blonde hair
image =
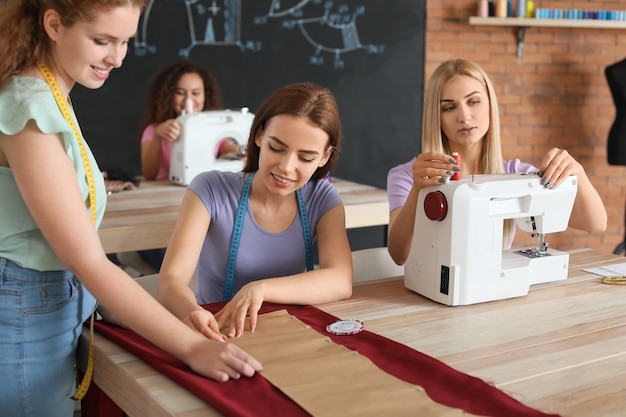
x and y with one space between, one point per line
433 138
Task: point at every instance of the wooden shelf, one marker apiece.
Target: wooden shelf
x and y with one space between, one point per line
522 23
547 23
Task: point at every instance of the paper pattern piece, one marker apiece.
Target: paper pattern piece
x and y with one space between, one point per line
609 270
328 379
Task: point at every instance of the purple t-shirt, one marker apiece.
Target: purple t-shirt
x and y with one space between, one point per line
261 254
400 179
400 182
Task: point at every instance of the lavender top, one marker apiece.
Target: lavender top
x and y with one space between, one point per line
400 181
261 254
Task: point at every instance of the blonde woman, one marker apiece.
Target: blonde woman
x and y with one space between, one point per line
461 116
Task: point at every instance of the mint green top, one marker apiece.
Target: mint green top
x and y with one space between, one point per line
23 99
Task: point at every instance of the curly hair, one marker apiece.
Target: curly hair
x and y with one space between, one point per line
23 40
161 94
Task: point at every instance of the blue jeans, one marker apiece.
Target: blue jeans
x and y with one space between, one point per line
41 318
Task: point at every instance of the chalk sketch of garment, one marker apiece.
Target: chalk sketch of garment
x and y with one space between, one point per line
205 22
329 27
317 30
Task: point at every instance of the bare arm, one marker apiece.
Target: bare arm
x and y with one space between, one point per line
39 160
151 149
179 265
401 226
150 158
331 282
588 213
429 169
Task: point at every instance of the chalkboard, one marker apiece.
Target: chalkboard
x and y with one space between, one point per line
370 53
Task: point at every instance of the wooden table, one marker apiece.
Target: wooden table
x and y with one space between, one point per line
562 348
145 218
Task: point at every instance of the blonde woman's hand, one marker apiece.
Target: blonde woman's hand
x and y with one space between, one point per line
433 168
557 165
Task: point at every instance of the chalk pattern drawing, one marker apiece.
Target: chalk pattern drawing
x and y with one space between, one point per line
218 23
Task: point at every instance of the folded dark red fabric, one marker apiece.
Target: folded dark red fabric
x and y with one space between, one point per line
256 397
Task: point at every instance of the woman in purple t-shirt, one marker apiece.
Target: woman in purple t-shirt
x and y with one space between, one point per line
461 116
250 233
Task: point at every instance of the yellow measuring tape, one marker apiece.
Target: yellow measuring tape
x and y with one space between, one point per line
615 280
81 390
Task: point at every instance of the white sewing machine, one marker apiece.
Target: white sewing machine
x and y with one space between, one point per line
201 132
456 257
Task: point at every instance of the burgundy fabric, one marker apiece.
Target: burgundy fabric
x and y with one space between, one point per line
256 397
97 404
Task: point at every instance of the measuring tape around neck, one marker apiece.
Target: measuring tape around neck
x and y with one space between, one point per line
81 390
237 230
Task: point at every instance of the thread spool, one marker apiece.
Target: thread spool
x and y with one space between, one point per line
482 8
530 8
501 8
521 8
188 106
457 174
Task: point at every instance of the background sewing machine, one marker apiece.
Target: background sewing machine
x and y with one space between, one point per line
456 256
201 132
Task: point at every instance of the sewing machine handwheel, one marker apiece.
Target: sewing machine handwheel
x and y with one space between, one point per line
436 206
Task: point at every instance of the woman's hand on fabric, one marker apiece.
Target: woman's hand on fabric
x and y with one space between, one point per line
205 323
247 302
222 361
556 166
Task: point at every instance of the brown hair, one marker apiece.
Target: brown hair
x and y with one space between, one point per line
315 103
23 40
161 95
